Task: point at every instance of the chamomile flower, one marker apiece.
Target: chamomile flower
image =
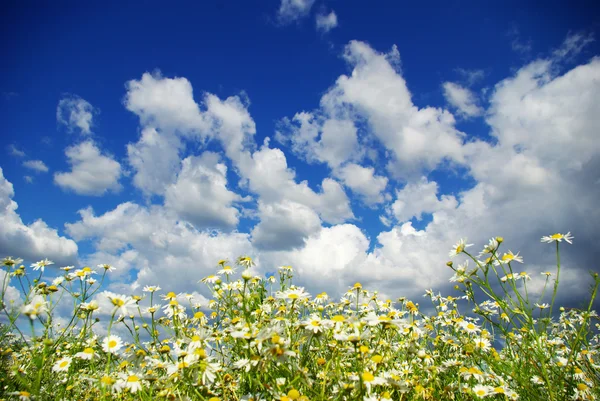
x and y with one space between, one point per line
293 294
469 327
558 238
87 354
112 344
227 270
482 391
213 278
121 303
62 365
151 288
510 257
41 265
36 306
10 262
460 246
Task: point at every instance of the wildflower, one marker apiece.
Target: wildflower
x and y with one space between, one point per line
36 306
87 354
41 265
314 323
122 303
107 267
112 344
542 306
460 246
62 365
293 294
491 247
483 344
213 278
131 382
10 262
482 391
509 257
558 238
227 270
245 261
23 395
89 306
469 327
547 274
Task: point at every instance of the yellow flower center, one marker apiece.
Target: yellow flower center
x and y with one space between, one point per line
368 377
64 364
112 344
133 379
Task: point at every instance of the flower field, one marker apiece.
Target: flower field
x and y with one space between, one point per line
263 338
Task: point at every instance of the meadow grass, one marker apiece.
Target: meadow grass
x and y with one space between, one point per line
267 339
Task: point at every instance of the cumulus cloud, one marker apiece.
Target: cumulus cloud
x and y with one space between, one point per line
292 10
75 114
364 182
326 140
155 160
29 241
166 104
284 225
154 246
418 198
170 116
462 99
92 173
326 22
36 165
268 175
376 93
200 194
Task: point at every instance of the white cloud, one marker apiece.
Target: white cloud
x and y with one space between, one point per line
155 159
470 77
29 241
462 99
170 116
417 198
326 22
268 175
573 45
166 104
292 10
363 181
200 194
154 246
91 172
76 114
376 92
284 225
37 165
332 141
14 151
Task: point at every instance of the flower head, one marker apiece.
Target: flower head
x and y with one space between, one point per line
62 365
558 238
41 265
460 246
112 344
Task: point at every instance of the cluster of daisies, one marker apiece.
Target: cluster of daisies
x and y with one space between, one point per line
263 338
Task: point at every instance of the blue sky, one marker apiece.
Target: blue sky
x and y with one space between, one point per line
136 135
